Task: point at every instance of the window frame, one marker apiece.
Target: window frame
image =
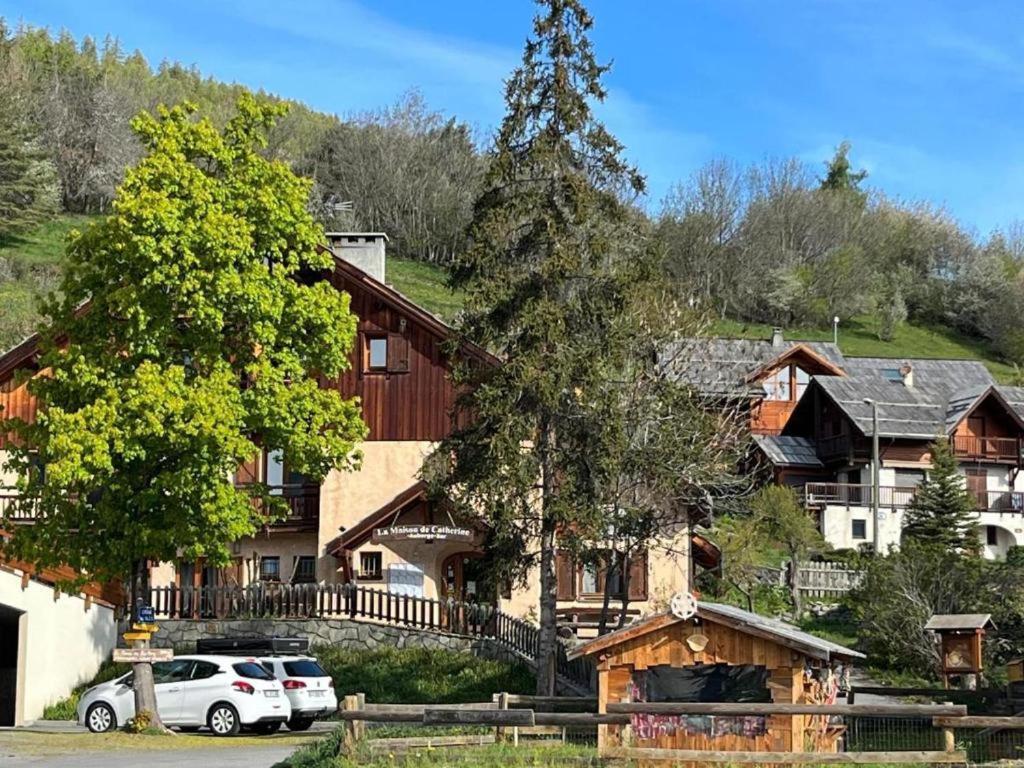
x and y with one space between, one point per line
863 524
270 558
991 535
297 577
365 575
369 337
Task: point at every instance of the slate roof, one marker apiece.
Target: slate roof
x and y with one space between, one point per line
789 450
947 376
721 366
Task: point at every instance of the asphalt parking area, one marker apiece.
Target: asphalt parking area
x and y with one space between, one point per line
67 746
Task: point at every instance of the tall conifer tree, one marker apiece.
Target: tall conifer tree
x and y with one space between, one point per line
942 512
553 265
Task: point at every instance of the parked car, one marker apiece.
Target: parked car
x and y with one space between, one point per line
222 693
310 690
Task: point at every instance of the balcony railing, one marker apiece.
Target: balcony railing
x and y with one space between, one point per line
303 505
1002 449
899 497
11 510
857 495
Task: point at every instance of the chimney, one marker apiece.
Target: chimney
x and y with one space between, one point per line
907 372
364 250
777 340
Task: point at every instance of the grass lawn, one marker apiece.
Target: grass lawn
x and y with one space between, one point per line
27 743
425 285
858 337
44 245
421 676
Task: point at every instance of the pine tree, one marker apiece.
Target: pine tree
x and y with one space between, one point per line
942 511
28 186
839 176
554 263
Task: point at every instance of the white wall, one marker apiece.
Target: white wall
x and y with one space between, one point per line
64 643
838 527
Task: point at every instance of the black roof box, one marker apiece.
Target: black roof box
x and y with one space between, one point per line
252 646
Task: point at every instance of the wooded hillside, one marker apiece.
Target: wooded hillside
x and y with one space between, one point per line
781 243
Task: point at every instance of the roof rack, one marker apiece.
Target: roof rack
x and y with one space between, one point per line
252 646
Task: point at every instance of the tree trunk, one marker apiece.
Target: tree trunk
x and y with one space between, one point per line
548 637
606 600
624 607
142 674
793 579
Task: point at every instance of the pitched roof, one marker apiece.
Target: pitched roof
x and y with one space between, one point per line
361 532
789 450
941 621
743 621
724 366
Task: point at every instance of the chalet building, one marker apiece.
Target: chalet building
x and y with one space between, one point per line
377 526
764 379
825 449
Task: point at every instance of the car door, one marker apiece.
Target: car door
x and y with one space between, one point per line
169 678
204 686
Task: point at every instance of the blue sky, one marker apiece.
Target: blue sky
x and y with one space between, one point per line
928 91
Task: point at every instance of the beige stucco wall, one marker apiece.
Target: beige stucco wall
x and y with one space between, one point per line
63 642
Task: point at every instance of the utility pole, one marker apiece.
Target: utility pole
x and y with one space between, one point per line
876 470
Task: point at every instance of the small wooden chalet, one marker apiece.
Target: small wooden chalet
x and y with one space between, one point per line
720 654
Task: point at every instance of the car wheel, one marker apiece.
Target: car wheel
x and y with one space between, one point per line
100 718
223 720
300 724
265 729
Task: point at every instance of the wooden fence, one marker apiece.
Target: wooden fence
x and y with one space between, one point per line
512 715
351 601
817 580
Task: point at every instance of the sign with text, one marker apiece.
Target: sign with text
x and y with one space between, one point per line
422 533
146 614
143 655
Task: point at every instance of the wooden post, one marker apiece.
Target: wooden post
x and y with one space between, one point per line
602 708
360 724
501 699
352 727
949 736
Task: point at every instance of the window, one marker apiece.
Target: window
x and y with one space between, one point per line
592 580
776 386
860 529
304 668
802 378
991 535
203 670
893 375
252 670
370 566
588 581
270 568
171 671
305 570
376 353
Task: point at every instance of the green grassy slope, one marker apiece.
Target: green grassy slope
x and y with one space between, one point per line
29 266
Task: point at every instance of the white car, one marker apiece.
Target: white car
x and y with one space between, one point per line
222 693
310 690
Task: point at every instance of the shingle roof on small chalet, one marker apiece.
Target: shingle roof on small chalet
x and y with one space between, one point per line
954 621
737 618
723 366
789 450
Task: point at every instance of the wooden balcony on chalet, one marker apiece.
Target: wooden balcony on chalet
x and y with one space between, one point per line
302 502
1003 450
818 495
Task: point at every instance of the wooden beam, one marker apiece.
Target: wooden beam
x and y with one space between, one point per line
979 721
506 717
579 718
869 710
698 756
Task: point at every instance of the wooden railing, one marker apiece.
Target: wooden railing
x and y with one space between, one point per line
11 510
303 504
1003 449
857 495
275 600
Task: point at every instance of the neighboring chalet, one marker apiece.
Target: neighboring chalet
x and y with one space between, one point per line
377 526
762 379
825 449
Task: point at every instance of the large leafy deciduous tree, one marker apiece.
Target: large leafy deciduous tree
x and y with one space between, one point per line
549 275
183 342
941 514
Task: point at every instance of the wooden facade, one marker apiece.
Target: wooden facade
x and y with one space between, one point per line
792 675
784 380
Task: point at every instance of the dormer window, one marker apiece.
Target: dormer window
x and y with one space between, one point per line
786 384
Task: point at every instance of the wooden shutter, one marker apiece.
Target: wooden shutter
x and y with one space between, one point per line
249 471
398 353
638 576
565 570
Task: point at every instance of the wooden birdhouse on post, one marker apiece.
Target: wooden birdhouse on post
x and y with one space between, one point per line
960 637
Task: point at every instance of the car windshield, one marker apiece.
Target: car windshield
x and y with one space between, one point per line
304 668
252 670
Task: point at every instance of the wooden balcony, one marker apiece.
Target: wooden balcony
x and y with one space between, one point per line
818 495
303 506
1004 450
13 512
857 495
